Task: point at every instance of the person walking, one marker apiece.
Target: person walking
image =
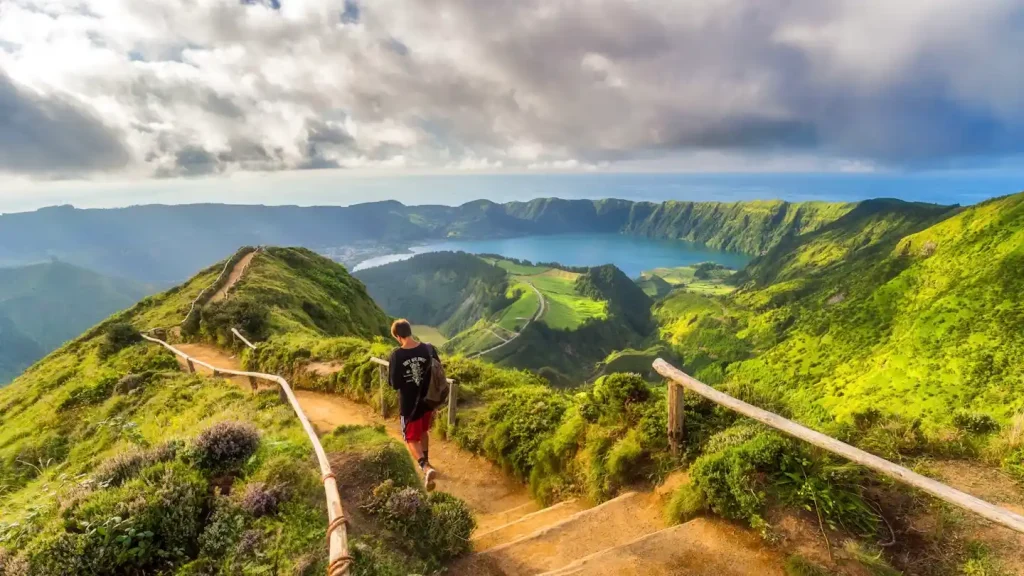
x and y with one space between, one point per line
409 373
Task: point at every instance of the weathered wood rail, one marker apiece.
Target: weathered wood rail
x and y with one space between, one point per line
337 534
453 393
679 380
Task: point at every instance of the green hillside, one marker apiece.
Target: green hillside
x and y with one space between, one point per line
558 321
295 291
44 305
115 461
445 289
904 311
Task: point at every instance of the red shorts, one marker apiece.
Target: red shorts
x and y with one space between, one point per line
415 430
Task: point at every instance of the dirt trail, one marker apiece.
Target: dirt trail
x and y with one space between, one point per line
478 482
233 277
992 485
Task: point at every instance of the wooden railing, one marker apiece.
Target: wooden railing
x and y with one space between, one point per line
337 535
210 290
679 380
453 393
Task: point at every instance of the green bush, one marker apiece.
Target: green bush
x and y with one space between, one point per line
249 316
119 335
518 421
225 446
149 524
89 394
435 525
124 466
748 472
975 422
223 531
624 462
686 504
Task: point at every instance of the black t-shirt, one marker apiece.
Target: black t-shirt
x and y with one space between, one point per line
409 373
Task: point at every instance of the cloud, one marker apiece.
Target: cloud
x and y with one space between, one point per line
50 135
216 86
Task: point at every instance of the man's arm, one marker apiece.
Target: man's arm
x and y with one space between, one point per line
393 372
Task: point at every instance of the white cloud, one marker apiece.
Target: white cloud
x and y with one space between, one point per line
218 86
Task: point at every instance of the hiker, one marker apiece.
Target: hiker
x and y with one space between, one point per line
409 372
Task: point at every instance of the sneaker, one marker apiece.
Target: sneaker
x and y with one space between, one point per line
428 477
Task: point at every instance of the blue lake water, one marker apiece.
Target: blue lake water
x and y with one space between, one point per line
632 254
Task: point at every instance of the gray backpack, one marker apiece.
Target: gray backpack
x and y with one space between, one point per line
437 393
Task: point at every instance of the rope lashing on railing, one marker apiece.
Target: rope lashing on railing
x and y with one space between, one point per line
949 494
337 534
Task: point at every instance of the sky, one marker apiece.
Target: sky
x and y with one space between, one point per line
135 101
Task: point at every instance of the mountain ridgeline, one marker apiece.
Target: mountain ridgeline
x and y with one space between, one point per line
896 327
166 244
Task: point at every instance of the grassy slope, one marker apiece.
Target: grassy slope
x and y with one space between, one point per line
659 282
903 308
445 289
50 446
302 293
66 416
51 303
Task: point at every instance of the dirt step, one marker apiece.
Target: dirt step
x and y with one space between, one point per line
526 524
487 522
615 522
702 547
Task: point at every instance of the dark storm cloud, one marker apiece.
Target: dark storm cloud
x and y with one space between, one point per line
51 135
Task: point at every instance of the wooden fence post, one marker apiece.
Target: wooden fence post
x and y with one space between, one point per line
191 366
383 384
676 417
453 399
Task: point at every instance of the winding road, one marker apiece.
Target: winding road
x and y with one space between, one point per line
536 316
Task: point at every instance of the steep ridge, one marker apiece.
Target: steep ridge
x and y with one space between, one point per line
529 541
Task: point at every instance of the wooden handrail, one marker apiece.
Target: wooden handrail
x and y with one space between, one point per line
337 533
963 500
243 338
453 391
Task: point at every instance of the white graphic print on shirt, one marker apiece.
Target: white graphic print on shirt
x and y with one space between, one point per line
415 371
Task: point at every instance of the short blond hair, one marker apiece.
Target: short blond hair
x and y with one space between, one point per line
401 328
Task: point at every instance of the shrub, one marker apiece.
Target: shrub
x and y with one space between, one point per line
517 422
249 316
119 335
225 446
686 504
435 525
148 524
259 500
975 422
12 564
617 393
120 468
89 394
734 480
222 532
625 461
738 481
